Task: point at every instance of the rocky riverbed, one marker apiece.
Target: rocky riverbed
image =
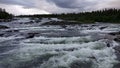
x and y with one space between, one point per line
36 45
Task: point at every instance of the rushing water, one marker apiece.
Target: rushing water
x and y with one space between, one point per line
78 46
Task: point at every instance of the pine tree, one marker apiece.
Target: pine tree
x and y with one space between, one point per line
4 14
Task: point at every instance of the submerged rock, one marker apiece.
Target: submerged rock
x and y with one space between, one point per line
60 23
81 64
32 63
101 28
116 65
31 35
117 52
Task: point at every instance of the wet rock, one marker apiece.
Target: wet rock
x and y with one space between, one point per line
31 22
81 64
1 35
93 25
69 49
21 22
16 30
114 36
3 27
117 52
63 26
109 43
117 39
37 21
93 57
60 23
101 28
114 33
61 67
31 35
12 31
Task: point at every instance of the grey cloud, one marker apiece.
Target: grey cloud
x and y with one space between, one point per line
64 6
114 4
72 3
24 3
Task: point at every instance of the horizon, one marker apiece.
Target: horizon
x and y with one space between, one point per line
26 7
72 12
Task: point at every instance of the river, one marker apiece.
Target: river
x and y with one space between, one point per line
33 45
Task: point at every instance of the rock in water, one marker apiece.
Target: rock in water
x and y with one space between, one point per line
101 28
115 33
117 52
81 64
30 36
3 27
117 39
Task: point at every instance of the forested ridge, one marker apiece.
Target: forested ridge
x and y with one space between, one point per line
105 15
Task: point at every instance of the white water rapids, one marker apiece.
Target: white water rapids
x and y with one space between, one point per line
56 47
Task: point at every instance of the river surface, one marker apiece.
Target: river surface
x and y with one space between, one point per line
31 45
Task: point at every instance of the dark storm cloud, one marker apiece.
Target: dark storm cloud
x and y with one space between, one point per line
58 6
71 4
25 3
66 4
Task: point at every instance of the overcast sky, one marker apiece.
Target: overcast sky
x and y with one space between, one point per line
18 7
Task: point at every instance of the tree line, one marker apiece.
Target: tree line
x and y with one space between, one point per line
105 15
4 14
